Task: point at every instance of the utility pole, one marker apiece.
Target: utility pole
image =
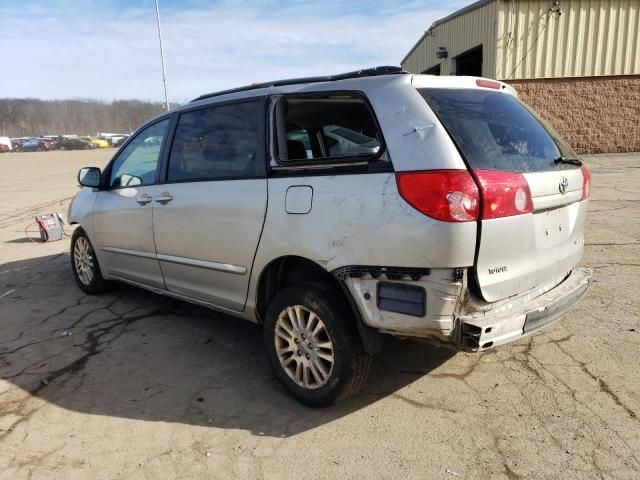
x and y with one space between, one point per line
164 73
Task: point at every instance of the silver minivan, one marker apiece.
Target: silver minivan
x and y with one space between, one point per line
332 210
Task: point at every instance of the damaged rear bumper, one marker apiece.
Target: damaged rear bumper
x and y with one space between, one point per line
480 331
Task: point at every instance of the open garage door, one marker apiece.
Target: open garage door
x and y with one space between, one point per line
469 62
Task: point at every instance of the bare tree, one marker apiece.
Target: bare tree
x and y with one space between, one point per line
21 117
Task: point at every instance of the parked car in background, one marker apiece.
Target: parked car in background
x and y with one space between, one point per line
71 143
117 140
460 219
35 145
16 143
96 141
7 142
4 148
114 139
51 142
52 138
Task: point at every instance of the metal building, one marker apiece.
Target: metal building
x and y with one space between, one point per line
524 39
575 61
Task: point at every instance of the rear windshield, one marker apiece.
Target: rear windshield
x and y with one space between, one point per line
495 131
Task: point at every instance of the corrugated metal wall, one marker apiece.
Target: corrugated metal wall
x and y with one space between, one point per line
588 38
474 28
524 39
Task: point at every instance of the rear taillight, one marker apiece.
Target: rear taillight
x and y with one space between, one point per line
448 195
586 183
454 196
503 194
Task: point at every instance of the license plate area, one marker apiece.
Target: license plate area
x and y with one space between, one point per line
552 227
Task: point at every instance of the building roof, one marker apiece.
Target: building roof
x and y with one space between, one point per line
475 5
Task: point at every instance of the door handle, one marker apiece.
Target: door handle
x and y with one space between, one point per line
164 197
143 199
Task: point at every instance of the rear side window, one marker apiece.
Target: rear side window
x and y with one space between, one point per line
216 143
495 131
325 128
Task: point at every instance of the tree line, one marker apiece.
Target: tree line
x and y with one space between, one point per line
23 117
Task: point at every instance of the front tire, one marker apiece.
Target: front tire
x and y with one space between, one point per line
84 264
313 345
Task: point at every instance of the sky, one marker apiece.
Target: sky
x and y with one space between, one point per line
108 49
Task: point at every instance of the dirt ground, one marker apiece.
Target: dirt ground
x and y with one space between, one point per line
135 385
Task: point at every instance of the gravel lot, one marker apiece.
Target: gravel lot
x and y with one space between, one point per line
135 385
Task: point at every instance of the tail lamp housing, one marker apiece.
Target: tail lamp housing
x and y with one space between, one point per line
447 195
463 196
504 194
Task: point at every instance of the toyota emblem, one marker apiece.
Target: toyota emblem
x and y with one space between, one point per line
563 185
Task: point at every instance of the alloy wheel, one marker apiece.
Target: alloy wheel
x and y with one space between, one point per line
304 347
83 260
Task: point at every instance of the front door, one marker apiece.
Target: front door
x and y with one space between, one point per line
209 212
123 219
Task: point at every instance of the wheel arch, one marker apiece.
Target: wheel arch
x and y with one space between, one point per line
291 269
284 271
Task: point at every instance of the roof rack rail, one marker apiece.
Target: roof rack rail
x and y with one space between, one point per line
365 72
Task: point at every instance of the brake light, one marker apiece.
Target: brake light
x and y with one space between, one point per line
488 84
503 194
448 195
586 183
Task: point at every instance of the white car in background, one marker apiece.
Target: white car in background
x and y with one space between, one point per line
117 140
6 141
114 139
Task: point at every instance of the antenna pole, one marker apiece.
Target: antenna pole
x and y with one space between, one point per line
164 73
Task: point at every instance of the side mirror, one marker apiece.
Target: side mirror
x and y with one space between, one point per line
89 177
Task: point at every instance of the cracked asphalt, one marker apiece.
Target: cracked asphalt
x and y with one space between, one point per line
134 385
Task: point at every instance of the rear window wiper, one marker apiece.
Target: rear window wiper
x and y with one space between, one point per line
568 160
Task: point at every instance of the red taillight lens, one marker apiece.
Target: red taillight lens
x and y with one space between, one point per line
586 183
453 195
503 193
448 195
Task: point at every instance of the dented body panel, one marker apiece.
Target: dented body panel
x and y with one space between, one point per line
492 325
443 292
370 224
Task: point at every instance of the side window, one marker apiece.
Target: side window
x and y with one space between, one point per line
217 142
136 164
338 126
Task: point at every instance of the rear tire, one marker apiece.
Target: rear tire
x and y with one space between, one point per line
313 344
84 264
